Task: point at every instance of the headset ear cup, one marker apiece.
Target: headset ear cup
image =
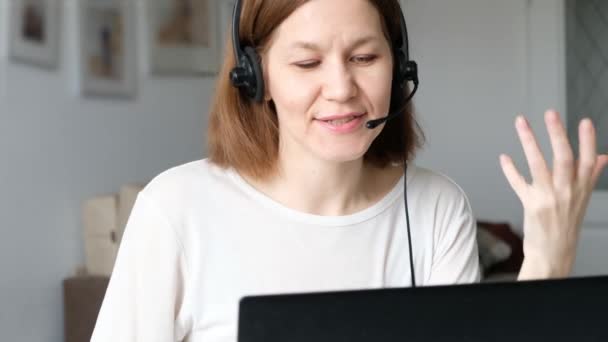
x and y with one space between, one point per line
401 68
406 70
411 71
257 88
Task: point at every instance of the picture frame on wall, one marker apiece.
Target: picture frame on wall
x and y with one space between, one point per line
182 37
107 48
34 32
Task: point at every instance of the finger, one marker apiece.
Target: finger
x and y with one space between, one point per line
563 158
602 162
587 150
515 179
536 161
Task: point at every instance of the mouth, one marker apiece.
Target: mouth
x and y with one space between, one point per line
339 121
342 124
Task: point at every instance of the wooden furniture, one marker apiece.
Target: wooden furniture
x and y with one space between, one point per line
82 298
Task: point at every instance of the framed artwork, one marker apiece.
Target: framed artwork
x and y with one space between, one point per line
183 36
107 48
34 32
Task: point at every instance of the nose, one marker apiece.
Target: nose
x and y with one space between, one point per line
340 84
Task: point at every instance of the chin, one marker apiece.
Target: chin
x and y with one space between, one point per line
346 149
342 156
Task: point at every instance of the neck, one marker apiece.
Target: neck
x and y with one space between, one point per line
321 187
308 184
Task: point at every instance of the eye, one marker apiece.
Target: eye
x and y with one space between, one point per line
364 59
307 65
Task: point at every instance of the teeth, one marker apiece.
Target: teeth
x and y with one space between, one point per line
341 121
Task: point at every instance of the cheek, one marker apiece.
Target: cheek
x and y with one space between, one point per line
290 95
377 97
379 91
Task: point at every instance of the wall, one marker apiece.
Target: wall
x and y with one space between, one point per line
547 80
3 45
587 68
56 150
481 63
472 60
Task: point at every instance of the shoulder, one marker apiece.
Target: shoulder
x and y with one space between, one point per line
450 229
182 178
439 197
432 184
181 187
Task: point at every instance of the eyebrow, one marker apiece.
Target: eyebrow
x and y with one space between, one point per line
313 46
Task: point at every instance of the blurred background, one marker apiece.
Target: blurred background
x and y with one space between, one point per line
99 95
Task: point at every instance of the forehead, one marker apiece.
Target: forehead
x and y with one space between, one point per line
320 23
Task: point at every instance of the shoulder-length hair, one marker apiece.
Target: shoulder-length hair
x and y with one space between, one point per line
244 135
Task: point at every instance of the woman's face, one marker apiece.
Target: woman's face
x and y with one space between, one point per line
329 60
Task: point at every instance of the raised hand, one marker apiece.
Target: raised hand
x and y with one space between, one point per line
556 201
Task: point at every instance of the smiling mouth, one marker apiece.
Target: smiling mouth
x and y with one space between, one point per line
342 121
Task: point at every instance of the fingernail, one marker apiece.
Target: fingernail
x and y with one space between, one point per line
587 122
521 121
552 115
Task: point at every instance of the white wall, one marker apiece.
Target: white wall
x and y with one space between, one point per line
477 61
56 150
472 59
3 44
547 84
481 63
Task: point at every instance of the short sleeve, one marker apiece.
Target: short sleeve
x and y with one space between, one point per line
144 300
455 257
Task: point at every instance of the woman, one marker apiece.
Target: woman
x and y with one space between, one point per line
298 195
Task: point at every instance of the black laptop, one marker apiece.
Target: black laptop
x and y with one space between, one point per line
572 310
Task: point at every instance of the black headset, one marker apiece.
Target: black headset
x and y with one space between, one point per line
247 76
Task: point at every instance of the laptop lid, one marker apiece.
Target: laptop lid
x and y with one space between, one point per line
573 309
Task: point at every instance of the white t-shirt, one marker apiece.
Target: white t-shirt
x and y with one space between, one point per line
200 237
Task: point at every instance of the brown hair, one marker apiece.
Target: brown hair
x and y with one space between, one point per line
245 135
